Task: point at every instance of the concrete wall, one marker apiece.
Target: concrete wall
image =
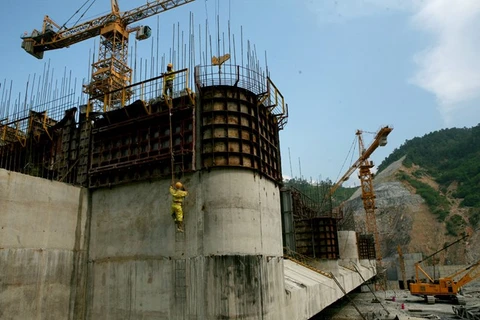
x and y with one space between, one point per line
114 253
227 264
42 247
308 292
410 259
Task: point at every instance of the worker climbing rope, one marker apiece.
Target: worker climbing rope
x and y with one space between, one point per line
178 193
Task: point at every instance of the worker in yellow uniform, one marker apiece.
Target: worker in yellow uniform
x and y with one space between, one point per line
178 194
169 77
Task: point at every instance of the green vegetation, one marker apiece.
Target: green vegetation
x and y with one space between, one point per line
436 202
474 217
317 190
455 225
420 173
447 155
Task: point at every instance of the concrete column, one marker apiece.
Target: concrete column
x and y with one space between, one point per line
228 263
347 243
241 212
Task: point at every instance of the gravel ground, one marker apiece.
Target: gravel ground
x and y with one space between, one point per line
399 303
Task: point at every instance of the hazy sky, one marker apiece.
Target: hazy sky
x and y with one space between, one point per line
341 65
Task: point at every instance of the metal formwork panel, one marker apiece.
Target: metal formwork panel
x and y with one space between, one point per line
131 144
326 238
35 146
236 131
366 246
317 238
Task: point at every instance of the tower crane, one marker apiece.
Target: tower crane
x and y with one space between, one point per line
111 72
366 177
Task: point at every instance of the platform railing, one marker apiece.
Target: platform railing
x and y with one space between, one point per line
149 91
236 76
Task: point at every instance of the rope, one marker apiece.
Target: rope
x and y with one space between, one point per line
171 142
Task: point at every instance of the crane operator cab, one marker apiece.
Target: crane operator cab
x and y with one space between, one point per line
144 32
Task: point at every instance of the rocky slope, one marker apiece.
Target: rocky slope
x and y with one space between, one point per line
404 219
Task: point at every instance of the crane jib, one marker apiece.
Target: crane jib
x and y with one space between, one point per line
61 38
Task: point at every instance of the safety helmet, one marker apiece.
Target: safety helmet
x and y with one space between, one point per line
169 65
178 185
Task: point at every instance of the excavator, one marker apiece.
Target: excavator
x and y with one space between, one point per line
445 288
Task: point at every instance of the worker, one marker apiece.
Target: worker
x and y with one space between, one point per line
169 77
178 193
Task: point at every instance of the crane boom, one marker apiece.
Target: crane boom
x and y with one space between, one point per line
50 39
472 273
380 140
111 72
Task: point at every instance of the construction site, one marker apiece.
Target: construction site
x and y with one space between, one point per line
86 224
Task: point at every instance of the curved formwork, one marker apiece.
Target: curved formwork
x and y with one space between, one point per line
236 130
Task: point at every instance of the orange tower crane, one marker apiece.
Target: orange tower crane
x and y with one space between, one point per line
368 195
366 182
111 72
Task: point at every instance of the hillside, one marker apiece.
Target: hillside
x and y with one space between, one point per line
450 157
428 195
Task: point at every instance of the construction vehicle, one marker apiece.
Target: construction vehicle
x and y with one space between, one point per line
111 72
366 181
445 288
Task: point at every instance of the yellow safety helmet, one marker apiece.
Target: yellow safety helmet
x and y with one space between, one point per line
169 65
178 185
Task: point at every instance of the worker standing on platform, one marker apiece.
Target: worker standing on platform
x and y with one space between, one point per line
169 77
178 194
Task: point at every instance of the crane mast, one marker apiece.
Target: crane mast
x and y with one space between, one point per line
366 183
111 71
368 194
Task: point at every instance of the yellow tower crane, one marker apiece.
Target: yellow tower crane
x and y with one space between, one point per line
368 195
111 72
366 182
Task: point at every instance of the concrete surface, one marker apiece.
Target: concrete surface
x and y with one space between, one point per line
42 225
308 292
227 264
347 244
114 253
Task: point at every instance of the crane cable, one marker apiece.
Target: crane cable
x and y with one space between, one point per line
83 14
65 24
352 147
